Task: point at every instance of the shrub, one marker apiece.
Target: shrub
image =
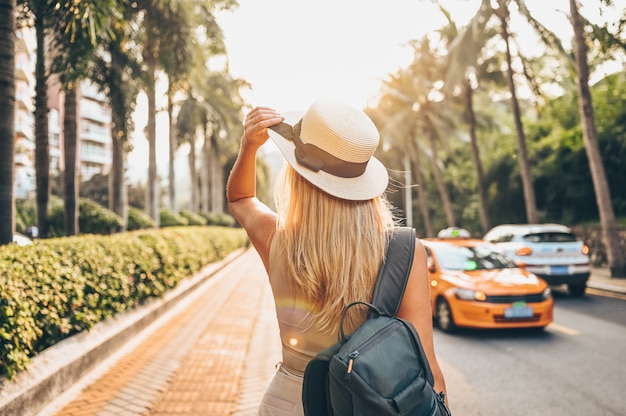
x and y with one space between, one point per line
219 218
92 219
193 218
168 218
62 286
138 219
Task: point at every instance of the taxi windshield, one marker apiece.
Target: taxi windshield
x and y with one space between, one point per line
471 258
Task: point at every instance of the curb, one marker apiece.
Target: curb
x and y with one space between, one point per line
606 287
57 368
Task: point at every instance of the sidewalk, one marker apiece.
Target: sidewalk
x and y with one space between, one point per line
213 355
601 279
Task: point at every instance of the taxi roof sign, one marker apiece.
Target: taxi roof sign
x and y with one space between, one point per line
454 232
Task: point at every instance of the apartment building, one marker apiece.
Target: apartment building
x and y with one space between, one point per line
24 119
94 123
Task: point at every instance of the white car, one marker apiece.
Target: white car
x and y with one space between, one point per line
550 251
21 239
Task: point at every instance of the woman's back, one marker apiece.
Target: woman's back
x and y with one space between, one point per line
300 339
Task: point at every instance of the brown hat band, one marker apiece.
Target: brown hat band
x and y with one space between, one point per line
315 158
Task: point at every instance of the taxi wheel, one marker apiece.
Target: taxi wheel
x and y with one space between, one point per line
445 321
576 290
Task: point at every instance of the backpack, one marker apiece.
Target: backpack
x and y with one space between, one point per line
381 368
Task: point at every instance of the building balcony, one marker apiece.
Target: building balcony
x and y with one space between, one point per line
94 111
22 159
96 136
96 158
23 72
24 101
20 42
23 130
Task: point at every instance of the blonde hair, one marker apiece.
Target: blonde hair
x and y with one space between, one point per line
334 247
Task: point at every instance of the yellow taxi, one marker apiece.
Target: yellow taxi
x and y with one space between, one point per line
473 285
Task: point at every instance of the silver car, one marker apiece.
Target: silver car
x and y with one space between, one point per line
550 251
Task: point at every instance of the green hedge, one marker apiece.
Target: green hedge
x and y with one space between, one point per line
221 219
193 218
168 218
59 287
93 218
138 219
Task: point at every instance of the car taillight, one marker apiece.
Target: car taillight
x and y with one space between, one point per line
524 251
585 249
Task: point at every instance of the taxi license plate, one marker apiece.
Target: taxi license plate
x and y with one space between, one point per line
559 270
518 312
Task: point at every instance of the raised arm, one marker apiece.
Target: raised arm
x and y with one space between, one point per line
255 217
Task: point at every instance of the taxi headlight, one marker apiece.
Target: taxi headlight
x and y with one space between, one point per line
547 294
467 294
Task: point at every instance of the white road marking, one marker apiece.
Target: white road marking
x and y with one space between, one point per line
563 329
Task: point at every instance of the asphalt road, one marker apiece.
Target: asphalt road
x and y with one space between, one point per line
577 366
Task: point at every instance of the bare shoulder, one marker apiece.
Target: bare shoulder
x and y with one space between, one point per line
258 220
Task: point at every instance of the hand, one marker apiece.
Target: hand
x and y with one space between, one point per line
257 122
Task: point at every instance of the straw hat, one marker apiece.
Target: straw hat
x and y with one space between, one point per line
332 145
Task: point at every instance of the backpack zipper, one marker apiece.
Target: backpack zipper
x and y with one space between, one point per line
353 355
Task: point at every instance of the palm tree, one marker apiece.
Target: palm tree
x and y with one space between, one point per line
7 119
208 43
463 81
70 20
190 119
173 146
616 259
217 114
166 43
398 134
115 70
70 152
401 127
40 14
223 105
468 41
416 89
74 46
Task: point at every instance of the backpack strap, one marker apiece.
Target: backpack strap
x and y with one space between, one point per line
394 272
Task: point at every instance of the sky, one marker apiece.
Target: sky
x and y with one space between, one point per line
293 52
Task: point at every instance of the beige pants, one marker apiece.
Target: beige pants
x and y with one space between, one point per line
283 396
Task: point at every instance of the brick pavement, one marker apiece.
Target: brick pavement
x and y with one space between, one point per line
214 355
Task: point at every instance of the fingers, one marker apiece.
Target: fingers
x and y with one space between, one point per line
258 120
263 116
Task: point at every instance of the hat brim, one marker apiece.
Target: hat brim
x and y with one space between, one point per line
372 183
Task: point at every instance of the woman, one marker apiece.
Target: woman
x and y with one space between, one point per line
325 243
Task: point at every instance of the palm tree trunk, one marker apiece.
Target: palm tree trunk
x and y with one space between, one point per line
42 146
70 149
172 151
408 191
218 185
7 120
204 172
527 183
152 188
118 194
152 196
480 176
441 186
615 256
193 175
421 192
